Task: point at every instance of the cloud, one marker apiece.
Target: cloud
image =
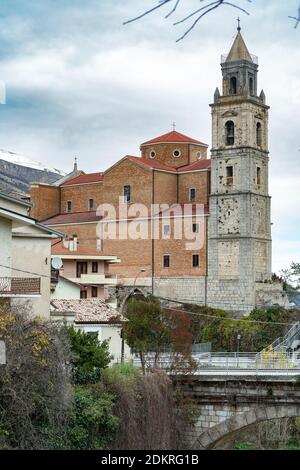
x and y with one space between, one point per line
80 83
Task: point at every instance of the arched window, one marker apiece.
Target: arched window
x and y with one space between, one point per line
251 88
258 134
233 86
229 128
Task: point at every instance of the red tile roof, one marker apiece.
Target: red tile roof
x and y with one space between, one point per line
81 179
151 163
198 165
175 137
87 310
73 218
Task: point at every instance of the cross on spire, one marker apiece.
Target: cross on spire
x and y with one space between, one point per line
239 24
174 126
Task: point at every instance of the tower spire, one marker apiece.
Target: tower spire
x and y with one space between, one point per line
75 164
239 24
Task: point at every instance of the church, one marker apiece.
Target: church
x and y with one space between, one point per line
224 199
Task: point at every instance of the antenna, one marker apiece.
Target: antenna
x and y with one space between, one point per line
56 263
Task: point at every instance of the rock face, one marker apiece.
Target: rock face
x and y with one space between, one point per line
16 178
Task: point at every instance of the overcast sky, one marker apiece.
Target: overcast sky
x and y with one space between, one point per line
80 83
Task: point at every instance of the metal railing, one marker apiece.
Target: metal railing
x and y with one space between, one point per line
18 286
253 57
271 361
283 342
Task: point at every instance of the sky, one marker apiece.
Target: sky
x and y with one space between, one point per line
80 83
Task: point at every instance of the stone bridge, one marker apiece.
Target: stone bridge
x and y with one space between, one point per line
228 404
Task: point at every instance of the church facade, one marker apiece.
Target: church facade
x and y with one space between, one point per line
223 200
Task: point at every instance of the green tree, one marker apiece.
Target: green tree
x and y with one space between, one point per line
257 331
151 329
91 425
90 356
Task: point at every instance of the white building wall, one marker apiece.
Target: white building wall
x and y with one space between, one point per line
113 334
5 249
65 290
33 254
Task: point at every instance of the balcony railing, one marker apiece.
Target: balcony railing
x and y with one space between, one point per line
19 286
253 57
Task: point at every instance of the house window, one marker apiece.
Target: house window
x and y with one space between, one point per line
195 228
91 204
258 176
166 230
94 267
192 194
81 268
83 294
166 261
94 291
127 193
195 261
258 134
69 206
233 86
229 132
229 175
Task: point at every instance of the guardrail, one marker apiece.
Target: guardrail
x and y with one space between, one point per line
271 361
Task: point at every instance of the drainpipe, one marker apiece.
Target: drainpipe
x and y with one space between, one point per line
152 237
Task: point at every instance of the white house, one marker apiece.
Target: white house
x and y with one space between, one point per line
25 257
93 316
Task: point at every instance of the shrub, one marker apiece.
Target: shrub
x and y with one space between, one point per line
35 390
89 356
91 424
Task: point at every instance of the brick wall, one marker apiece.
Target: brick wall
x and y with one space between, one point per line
165 188
79 195
45 200
199 181
128 173
164 153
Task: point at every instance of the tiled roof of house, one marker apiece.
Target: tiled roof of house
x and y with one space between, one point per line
73 218
81 179
175 137
88 310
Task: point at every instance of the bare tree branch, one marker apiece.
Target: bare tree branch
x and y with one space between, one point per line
204 10
296 18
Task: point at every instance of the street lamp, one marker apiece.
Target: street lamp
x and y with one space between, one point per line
238 339
142 270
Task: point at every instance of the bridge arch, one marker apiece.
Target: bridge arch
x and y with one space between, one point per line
137 292
210 438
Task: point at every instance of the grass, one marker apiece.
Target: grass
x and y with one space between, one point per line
118 372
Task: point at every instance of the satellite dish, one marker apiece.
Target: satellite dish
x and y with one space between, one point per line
56 263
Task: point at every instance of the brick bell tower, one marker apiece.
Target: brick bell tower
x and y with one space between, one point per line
239 241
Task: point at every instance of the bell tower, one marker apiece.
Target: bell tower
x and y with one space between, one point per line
239 236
